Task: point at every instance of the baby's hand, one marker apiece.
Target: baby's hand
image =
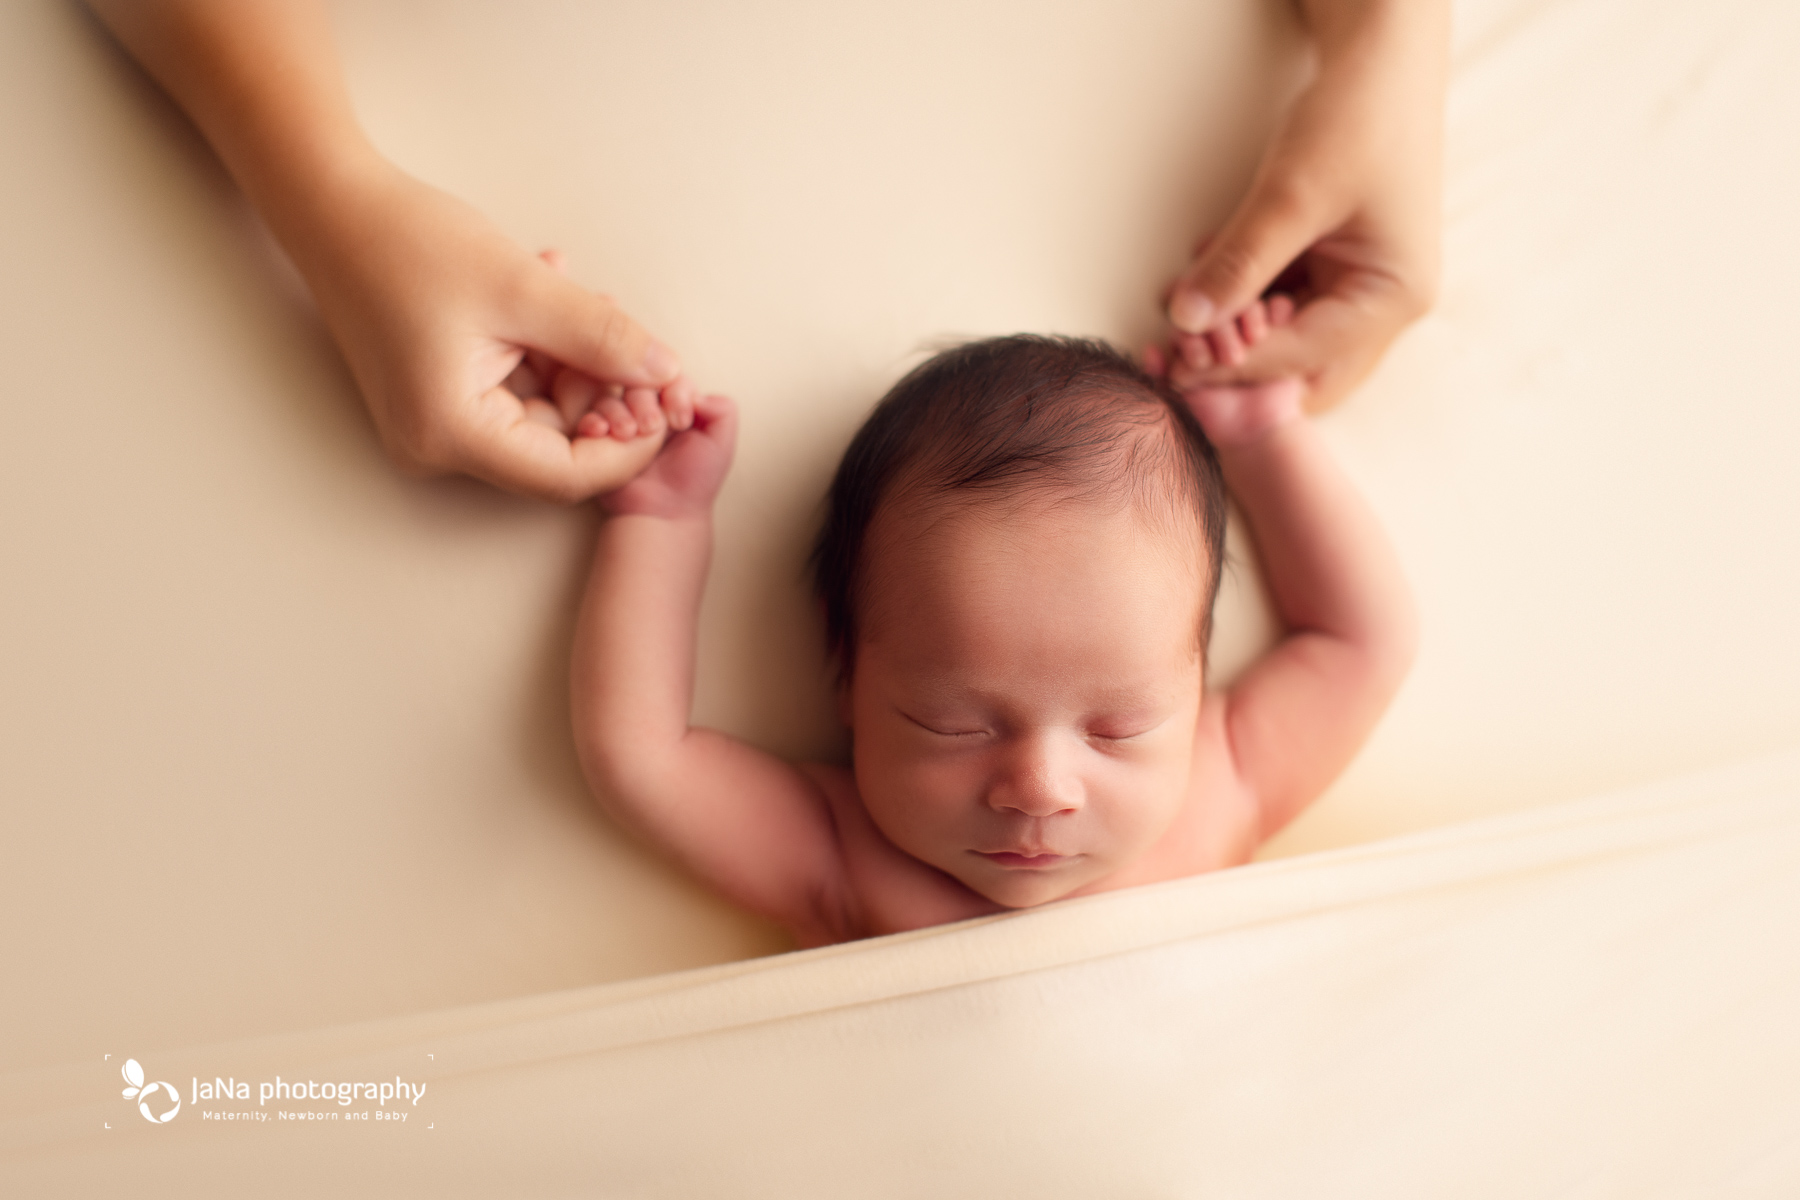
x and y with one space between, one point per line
1237 414
1232 414
686 475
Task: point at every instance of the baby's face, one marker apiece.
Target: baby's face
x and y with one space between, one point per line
1026 692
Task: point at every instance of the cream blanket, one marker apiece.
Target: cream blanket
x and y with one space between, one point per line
1594 999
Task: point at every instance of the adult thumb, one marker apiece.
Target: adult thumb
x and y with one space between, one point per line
591 333
1269 230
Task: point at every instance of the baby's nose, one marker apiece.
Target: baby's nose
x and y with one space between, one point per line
1037 779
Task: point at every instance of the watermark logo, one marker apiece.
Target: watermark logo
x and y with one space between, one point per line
222 1099
134 1075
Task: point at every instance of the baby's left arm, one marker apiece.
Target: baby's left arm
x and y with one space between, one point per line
1299 714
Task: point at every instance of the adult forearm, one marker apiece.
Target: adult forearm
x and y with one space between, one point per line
1329 566
1383 64
1407 28
262 83
1383 68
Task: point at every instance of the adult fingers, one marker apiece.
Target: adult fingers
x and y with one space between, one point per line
591 333
502 444
524 379
546 414
575 394
618 417
1271 228
1334 342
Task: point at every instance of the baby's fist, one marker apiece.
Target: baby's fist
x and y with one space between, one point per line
1236 414
685 476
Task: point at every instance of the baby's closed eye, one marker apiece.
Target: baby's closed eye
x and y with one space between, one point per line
944 726
1112 735
1125 726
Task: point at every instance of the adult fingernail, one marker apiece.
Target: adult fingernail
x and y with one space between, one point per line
660 361
1191 311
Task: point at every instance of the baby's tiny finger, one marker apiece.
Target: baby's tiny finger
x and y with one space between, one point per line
1194 350
619 421
1182 375
711 408
591 425
1281 309
1227 347
1253 323
646 409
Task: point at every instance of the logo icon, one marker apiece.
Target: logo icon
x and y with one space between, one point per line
134 1075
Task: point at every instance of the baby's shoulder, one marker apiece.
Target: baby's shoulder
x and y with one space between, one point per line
837 783
1220 822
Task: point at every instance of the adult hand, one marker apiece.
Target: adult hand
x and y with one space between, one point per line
1342 214
475 356
472 354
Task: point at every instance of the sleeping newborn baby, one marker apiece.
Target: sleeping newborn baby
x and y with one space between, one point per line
1017 570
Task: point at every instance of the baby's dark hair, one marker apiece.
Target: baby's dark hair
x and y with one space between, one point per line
1069 417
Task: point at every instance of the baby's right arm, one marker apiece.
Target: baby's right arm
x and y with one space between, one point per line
757 829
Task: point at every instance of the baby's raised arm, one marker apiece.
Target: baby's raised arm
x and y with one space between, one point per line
1298 715
757 829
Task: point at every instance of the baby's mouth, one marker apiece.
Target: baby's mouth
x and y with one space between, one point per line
1026 862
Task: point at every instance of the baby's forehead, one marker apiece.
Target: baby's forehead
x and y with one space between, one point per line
1031 597
1023 552
915 519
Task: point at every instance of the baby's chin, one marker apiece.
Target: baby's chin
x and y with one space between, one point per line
1026 887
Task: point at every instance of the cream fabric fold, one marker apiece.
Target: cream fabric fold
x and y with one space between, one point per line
1593 999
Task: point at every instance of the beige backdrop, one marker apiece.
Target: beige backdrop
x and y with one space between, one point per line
285 735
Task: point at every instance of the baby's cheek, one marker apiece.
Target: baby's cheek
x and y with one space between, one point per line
925 819
892 792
